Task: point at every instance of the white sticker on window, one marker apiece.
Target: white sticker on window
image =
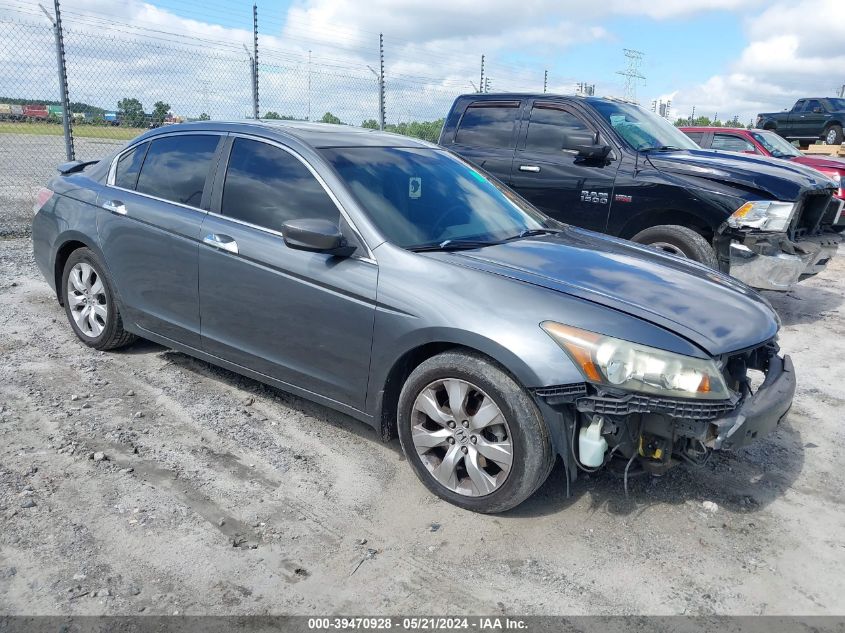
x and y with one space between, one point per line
414 187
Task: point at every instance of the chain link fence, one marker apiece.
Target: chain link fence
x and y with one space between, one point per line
124 79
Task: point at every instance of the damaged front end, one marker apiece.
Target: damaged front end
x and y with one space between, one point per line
771 252
602 423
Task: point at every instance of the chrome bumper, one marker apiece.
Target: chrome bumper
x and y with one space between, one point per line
782 270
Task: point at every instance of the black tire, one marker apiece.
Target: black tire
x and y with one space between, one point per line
112 335
680 241
833 132
532 450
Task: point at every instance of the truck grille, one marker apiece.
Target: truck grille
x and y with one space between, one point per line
815 210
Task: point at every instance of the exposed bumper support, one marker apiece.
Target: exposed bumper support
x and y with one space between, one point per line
760 413
769 263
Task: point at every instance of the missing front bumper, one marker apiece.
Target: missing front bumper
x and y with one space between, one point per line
764 263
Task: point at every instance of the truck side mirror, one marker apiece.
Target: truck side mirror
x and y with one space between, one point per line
596 152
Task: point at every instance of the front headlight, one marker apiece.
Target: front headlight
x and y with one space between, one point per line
766 215
616 363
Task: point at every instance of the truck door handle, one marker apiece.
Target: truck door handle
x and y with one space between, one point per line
115 206
532 168
223 242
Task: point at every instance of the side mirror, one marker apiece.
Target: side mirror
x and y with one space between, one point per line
316 236
594 152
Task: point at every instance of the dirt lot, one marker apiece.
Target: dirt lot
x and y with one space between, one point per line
219 495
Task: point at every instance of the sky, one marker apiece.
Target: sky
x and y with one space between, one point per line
723 57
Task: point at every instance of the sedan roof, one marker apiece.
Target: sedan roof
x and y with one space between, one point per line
317 135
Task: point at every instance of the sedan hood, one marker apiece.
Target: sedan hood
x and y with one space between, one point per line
783 180
714 311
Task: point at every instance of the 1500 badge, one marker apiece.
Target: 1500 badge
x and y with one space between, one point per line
594 196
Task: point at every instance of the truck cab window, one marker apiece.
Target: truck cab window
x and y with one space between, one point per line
487 126
554 129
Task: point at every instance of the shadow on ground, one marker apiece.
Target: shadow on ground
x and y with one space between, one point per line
742 481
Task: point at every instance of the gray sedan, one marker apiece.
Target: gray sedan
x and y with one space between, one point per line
389 279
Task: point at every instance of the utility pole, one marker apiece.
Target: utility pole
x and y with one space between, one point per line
487 84
60 62
255 60
481 82
632 73
545 80
381 112
309 85
692 116
252 82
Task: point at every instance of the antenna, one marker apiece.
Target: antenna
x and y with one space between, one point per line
632 73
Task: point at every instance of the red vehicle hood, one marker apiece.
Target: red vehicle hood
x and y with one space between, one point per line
822 162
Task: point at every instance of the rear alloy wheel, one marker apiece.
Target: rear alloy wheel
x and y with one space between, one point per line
88 299
679 241
833 135
472 434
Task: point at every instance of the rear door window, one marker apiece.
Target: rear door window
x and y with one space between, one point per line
128 167
695 136
487 125
553 130
176 167
267 186
812 105
731 143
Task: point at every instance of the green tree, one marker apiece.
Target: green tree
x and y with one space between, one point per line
131 112
371 124
425 130
160 111
328 117
270 114
204 117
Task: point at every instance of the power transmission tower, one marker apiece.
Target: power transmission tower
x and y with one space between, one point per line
632 74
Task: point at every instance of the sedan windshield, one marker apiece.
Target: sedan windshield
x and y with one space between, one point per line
641 129
429 199
776 145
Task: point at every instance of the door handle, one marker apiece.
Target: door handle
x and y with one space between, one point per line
115 206
223 242
532 168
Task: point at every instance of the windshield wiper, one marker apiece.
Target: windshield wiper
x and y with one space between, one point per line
532 233
452 245
660 148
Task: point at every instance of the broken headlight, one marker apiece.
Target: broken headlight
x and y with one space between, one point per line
616 363
766 215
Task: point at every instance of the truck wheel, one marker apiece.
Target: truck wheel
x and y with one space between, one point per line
472 434
679 241
833 135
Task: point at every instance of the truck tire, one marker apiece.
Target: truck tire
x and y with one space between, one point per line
833 135
679 241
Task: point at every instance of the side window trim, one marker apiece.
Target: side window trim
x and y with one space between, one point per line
203 208
220 178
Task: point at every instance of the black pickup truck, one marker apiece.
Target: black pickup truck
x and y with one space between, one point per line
809 120
616 168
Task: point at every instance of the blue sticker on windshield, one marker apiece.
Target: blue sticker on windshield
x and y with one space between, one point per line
414 187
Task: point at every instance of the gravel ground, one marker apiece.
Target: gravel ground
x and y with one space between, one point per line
144 481
28 161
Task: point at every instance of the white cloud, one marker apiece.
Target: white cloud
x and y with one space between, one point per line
795 50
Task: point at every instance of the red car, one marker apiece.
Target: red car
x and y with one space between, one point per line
766 143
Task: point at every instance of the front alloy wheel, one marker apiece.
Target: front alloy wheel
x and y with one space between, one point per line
473 435
462 437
